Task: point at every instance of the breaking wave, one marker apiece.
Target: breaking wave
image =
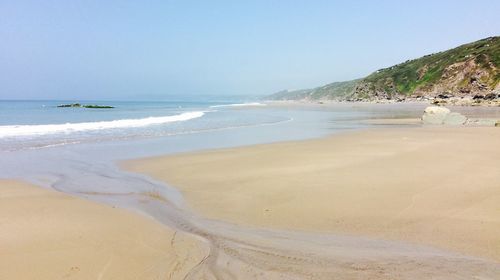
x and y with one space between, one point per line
43 129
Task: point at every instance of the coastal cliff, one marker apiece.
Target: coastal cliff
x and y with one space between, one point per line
469 74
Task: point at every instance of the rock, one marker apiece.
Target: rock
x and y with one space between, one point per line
439 101
98 106
443 96
465 101
434 115
78 105
455 118
73 105
490 96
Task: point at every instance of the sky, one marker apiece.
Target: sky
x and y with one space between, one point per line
153 50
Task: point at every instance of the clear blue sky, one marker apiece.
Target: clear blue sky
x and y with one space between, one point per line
155 49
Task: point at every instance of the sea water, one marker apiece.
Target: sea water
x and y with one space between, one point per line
76 150
39 124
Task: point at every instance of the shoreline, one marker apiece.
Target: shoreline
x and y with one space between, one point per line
459 101
192 172
473 112
251 251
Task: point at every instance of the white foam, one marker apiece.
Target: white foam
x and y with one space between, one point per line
42 129
239 105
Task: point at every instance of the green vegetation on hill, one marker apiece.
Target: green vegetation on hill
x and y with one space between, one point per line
469 69
337 90
333 91
291 94
421 75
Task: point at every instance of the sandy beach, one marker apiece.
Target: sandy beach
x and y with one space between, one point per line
434 186
244 140
49 235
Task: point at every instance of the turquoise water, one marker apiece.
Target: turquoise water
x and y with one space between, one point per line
75 150
46 112
39 124
27 125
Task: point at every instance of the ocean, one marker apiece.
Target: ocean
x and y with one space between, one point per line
77 150
41 124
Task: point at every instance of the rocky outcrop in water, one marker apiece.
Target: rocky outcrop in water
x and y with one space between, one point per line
78 105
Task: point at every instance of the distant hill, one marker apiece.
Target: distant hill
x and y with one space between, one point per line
468 70
337 90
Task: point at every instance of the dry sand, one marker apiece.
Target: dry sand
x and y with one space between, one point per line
432 186
48 235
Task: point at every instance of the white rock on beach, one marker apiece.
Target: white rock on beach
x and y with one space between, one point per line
455 118
442 115
435 115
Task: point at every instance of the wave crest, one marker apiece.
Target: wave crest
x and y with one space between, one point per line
42 129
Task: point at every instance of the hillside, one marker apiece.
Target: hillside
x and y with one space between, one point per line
333 91
469 70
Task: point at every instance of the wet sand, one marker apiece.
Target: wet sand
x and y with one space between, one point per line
49 235
436 187
412 203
